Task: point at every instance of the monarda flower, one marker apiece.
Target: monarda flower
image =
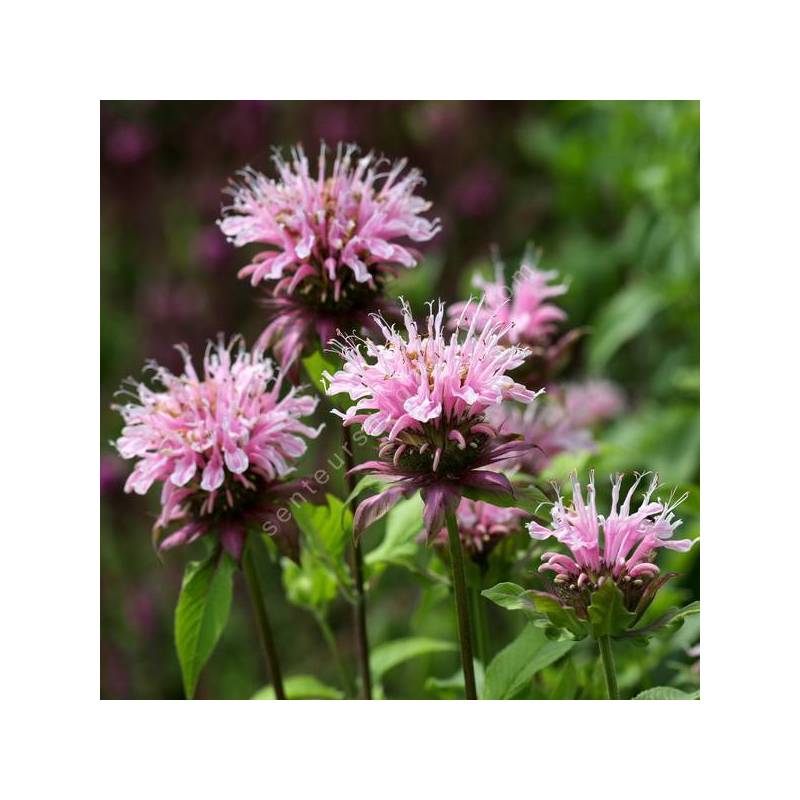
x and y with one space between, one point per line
546 427
221 444
482 526
425 397
332 241
525 309
624 554
592 402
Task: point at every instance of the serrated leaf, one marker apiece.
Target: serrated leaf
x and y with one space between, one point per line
201 614
515 665
403 524
666 693
607 612
542 607
301 687
388 655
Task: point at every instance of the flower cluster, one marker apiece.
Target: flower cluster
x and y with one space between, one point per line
221 444
592 402
630 539
426 397
482 526
524 307
332 240
546 427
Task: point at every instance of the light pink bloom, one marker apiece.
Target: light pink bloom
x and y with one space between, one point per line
483 525
592 402
331 239
546 427
630 539
220 443
523 308
426 396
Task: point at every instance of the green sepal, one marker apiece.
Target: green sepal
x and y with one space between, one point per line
669 622
607 613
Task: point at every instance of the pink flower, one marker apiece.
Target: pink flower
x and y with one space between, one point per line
332 240
221 444
630 539
482 526
524 307
426 397
546 427
592 402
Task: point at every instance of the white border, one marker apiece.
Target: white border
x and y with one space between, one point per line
59 59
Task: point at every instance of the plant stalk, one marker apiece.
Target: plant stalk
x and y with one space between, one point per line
607 657
330 640
264 627
479 614
462 608
357 565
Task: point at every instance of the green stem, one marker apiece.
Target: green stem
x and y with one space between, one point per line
462 609
607 657
264 627
479 615
357 565
330 639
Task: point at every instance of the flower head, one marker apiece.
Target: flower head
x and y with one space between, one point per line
593 401
482 526
523 307
425 395
626 551
332 240
221 444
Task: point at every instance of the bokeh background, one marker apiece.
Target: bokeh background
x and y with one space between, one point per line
608 190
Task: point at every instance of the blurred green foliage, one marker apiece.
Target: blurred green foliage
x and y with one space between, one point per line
608 190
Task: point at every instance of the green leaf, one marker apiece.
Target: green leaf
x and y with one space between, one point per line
666 693
326 528
365 483
560 617
301 687
201 614
453 687
563 464
317 363
515 665
539 606
387 656
607 612
403 524
526 497
667 622
567 686
626 315
310 584
510 596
